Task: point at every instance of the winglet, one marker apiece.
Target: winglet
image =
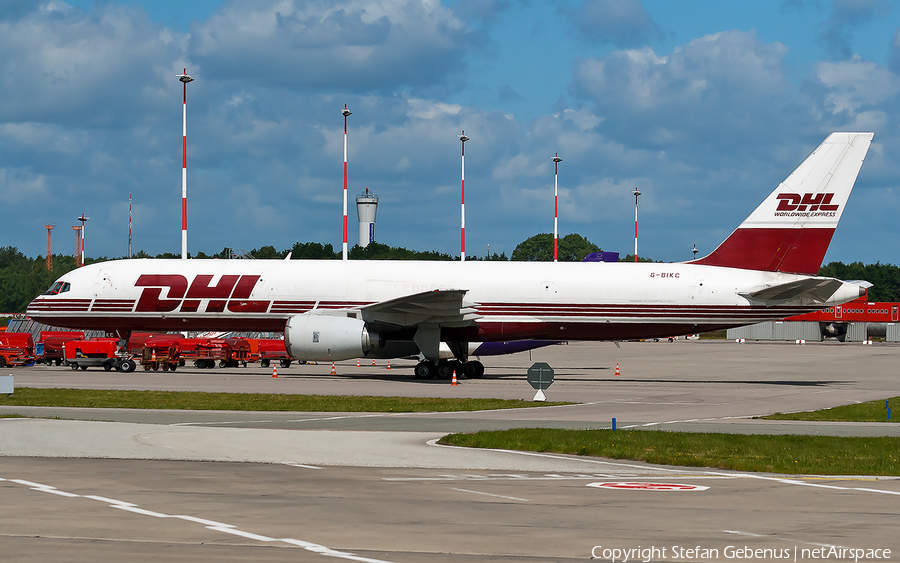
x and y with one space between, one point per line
790 231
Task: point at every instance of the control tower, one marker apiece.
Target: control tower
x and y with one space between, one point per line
366 206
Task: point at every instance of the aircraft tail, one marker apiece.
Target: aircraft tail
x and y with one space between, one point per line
790 231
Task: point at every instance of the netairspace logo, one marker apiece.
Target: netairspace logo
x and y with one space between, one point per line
732 552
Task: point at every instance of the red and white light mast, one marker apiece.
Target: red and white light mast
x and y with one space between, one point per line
462 234
83 220
184 77
129 225
636 193
346 113
556 161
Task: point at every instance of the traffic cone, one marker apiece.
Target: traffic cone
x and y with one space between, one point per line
454 382
373 361
274 371
617 369
389 364
333 371
357 362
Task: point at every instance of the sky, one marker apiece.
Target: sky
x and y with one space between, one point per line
705 106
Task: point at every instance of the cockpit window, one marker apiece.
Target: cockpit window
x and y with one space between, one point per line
58 287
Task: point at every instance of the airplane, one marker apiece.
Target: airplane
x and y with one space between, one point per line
331 310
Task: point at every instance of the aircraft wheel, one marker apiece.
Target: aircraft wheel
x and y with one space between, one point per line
127 366
474 369
424 370
444 371
456 366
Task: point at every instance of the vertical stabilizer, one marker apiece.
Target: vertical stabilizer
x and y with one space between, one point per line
790 231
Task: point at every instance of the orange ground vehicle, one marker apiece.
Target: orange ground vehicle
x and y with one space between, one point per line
16 349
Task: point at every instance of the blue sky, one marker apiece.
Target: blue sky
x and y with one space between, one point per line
704 105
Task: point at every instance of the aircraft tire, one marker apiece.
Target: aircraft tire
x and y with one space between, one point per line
424 370
444 371
474 369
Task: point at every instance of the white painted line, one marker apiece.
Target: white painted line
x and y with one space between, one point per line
204 521
210 524
43 488
489 494
110 500
303 466
236 532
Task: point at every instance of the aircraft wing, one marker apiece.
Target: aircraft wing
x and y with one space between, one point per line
819 290
443 307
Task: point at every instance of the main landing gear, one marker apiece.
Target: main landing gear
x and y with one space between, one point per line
444 369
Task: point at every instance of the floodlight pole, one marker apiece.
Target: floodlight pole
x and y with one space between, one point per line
184 77
462 234
636 193
556 161
346 113
83 220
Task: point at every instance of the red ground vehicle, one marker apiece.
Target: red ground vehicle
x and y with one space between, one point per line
53 341
16 349
271 350
204 352
162 351
82 354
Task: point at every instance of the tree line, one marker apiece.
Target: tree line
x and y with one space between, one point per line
23 278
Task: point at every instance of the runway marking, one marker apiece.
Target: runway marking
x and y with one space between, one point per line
209 524
784 480
489 494
303 466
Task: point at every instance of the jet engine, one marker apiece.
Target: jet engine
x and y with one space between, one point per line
314 337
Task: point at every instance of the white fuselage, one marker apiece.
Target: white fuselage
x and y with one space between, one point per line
515 300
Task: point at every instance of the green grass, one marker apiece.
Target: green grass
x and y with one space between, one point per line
824 455
90 398
872 411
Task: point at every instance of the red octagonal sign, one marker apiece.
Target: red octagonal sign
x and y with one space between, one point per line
648 486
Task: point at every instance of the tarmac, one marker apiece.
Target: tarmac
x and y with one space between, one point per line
110 484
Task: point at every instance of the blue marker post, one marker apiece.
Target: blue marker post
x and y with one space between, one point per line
887 405
614 422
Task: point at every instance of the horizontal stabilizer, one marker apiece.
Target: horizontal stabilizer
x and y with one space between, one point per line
442 307
816 290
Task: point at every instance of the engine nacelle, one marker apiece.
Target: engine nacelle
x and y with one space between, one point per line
313 337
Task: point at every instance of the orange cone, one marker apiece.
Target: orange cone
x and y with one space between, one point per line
357 362
373 361
389 364
333 371
454 382
274 371
617 369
